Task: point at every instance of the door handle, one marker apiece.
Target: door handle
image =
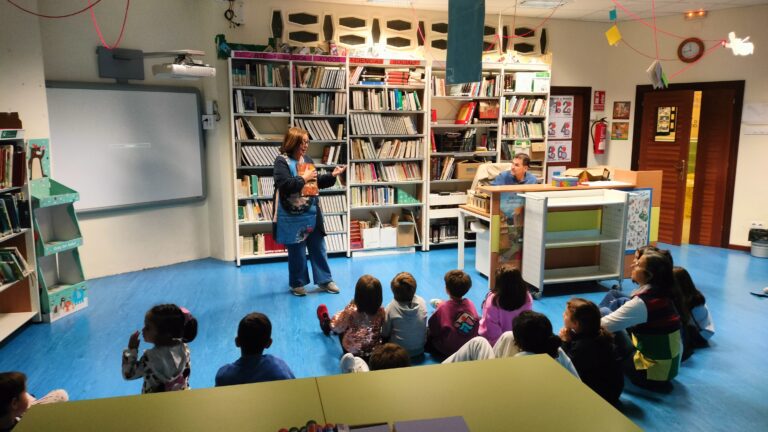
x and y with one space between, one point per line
681 170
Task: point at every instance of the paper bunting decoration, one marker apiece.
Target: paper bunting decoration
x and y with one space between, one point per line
658 78
740 47
612 14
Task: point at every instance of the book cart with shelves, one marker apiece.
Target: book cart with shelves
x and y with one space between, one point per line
19 296
270 93
387 116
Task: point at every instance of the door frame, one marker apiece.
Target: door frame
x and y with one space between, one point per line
733 144
586 94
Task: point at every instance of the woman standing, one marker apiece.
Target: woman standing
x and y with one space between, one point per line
298 219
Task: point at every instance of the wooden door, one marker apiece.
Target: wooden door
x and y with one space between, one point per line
580 135
668 156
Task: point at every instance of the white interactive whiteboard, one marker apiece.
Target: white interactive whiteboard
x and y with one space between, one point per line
126 145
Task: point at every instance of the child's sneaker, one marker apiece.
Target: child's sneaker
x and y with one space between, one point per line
325 321
435 303
352 364
298 291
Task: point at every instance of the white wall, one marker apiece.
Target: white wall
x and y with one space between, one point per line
130 240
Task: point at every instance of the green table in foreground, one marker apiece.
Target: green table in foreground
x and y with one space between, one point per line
253 407
532 393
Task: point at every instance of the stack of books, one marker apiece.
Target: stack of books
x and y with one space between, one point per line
355 235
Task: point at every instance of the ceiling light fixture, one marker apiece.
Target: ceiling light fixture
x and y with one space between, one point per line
696 14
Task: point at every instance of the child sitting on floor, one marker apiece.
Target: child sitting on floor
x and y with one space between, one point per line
167 365
591 349
455 321
531 334
385 356
699 328
503 303
406 316
254 335
15 401
359 324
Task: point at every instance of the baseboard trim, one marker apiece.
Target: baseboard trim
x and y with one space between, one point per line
739 247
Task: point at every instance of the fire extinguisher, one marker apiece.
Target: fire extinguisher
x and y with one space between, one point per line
598 132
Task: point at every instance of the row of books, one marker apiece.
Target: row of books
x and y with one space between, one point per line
524 106
380 195
331 154
333 203
334 223
10 210
255 211
258 155
443 232
373 172
260 75
377 124
245 130
441 168
391 76
320 104
245 102
389 149
321 129
486 87
13 165
355 235
260 244
522 129
253 185
527 82
13 266
325 77
385 100
336 242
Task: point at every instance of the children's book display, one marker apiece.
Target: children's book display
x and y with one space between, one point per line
57 236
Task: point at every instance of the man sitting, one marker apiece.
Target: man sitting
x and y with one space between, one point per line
518 174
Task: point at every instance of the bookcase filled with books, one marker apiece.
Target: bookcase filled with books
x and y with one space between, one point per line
270 93
463 134
524 113
387 120
19 296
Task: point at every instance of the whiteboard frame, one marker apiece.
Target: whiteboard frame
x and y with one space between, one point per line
145 88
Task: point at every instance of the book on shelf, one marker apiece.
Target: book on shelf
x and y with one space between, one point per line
467 110
310 187
488 110
15 259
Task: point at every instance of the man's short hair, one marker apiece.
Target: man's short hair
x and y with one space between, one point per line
524 159
403 287
457 283
254 332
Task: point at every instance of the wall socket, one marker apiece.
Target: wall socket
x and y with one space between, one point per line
757 224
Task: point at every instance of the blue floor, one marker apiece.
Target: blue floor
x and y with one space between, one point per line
723 387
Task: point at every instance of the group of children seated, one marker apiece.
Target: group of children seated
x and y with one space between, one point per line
665 318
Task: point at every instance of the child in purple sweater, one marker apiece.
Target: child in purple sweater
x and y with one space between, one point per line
454 322
505 301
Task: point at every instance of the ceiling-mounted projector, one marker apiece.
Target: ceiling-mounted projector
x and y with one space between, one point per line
184 65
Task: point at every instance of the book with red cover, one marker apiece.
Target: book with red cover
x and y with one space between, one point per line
310 188
464 116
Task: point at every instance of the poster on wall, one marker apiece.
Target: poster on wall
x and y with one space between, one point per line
559 151
560 128
561 106
510 249
598 100
665 124
638 219
619 130
621 110
560 117
554 170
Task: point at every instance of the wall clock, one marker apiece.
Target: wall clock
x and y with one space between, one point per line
690 50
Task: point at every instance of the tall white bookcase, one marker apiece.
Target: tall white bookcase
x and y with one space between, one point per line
609 234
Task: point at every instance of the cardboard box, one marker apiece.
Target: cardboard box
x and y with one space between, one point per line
387 237
467 170
588 174
371 237
405 234
538 147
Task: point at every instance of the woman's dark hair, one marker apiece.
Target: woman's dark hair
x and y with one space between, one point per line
293 139
658 267
510 290
692 297
172 322
533 333
389 356
403 287
368 296
12 385
651 248
587 315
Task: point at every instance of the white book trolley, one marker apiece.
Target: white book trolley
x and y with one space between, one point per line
609 235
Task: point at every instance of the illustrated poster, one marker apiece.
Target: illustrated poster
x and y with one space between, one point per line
638 219
559 151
